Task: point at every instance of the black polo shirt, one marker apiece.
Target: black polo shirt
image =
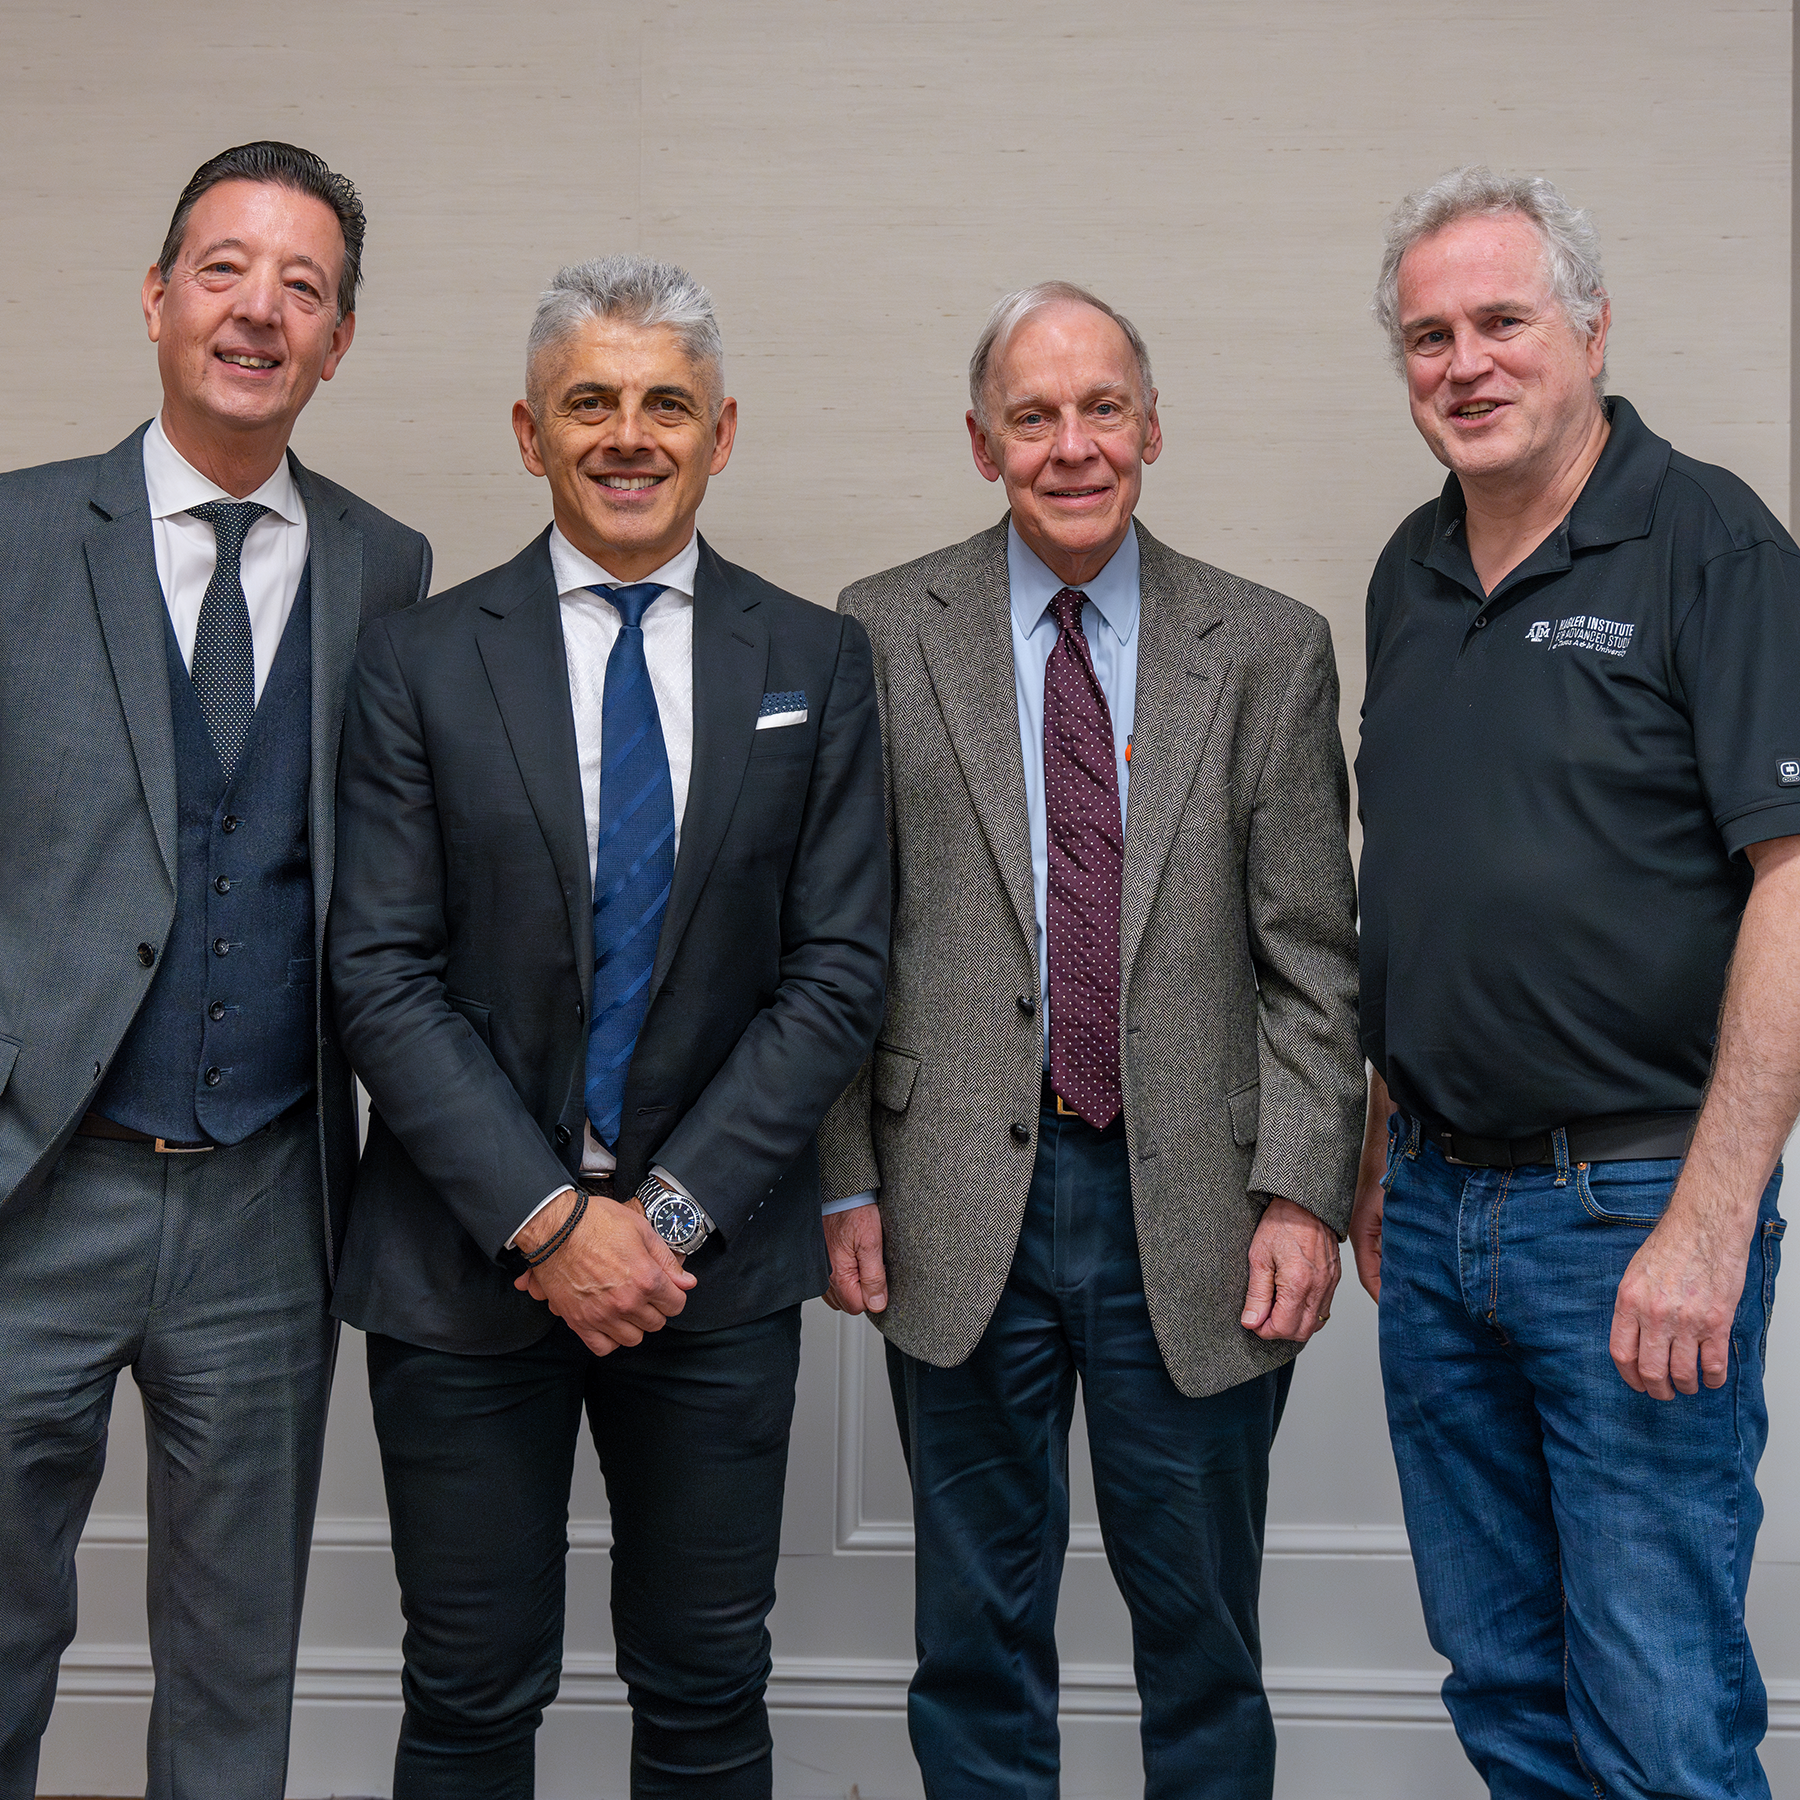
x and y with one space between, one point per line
1556 784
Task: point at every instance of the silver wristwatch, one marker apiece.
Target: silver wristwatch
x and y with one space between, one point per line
676 1219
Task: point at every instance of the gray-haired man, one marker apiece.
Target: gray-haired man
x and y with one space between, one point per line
610 934
1580 787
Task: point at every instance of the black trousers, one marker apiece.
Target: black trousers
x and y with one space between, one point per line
1181 1485
478 1452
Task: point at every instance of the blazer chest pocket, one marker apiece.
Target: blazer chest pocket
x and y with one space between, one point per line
894 1075
1246 1113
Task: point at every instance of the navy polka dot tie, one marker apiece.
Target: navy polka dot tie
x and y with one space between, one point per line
224 663
1085 837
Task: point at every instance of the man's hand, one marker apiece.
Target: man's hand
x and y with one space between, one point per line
1676 1304
613 1281
1371 1196
1294 1271
858 1274
1681 1291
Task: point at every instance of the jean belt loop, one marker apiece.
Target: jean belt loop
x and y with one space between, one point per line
1560 1139
1412 1135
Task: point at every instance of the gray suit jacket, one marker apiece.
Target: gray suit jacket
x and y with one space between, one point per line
1241 1070
87 780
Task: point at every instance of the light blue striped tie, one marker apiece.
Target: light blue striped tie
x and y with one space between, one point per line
634 863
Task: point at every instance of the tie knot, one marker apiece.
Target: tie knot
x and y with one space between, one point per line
633 602
1067 606
231 521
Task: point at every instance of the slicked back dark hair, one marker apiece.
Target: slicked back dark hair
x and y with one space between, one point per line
283 165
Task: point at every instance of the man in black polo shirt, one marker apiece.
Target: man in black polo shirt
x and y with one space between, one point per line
1580 792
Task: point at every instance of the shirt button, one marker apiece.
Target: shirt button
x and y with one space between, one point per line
222 884
216 1011
221 947
229 822
214 1076
146 954
1020 1133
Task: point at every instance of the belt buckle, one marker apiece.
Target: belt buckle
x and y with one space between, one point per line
165 1148
1064 1111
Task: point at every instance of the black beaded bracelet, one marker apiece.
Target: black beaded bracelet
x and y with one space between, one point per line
549 1247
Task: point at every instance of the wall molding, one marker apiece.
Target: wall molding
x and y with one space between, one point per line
801 1684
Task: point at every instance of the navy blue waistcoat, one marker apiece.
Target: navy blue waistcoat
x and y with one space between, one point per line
225 1039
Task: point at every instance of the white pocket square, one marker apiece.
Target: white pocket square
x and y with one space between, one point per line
770 721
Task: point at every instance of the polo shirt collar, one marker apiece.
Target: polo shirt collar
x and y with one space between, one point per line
1617 502
1114 592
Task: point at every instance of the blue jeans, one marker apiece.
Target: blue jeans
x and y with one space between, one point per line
1181 1484
1582 1550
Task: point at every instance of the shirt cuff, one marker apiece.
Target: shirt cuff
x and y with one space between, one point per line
837 1206
566 1187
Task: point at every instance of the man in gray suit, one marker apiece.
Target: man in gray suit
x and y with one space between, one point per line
178 620
1110 1127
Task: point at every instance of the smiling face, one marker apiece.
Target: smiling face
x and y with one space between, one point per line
246 325
1069 433
622 427
1501 383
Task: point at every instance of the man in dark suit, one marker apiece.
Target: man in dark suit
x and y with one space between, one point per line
610 935
1111 1126
178 620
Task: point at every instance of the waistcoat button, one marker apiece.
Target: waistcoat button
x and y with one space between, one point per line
1027 1005
221 947
214 1076
1020 1134
222 884
216 1011
562 1134
229 822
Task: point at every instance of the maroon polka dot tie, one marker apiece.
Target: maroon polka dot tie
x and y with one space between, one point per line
1086 842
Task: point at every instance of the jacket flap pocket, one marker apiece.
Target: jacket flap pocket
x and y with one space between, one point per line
895 1072
474 1012
9 1054
1246 1113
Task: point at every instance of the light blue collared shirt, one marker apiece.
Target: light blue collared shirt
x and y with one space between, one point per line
1109 622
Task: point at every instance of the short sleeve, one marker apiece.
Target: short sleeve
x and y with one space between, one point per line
1738 660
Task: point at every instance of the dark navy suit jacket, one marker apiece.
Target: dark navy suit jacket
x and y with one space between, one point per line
461 948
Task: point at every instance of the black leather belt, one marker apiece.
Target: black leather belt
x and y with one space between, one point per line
1608 1137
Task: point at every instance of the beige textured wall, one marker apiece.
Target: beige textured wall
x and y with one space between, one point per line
857 182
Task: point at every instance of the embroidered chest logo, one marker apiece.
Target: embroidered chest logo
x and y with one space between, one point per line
1609 637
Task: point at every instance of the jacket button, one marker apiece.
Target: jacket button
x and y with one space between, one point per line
221 947
229 822
214 1076
1027 1005
222 884
1020 1135
563 1134
146 954
216 1011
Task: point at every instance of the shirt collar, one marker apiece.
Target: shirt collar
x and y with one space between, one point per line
1114 591
174 484
575 572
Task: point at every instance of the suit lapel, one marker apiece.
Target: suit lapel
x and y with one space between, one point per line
1181 673
520 639
968 651
121 560
731 661
335 555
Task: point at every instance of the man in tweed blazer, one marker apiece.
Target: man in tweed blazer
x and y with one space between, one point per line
1146 1189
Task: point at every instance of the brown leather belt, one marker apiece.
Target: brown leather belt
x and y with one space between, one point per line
1607 1137
97 1125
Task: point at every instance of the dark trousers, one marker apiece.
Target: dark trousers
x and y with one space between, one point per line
478 1452
1181 1485
205 1276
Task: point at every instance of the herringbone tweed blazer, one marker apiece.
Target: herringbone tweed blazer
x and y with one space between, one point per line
1242 1074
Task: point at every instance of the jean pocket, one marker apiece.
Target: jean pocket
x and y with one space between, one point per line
1396 1138
1770 1237
1627 1193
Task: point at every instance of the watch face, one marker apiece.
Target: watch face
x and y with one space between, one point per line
676 1221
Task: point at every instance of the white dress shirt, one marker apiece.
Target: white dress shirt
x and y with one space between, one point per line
590 628
1109 622
187 552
